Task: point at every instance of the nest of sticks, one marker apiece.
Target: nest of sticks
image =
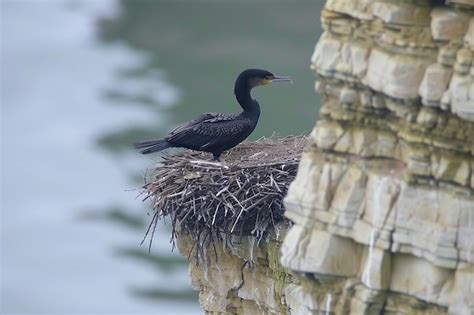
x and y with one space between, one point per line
241 195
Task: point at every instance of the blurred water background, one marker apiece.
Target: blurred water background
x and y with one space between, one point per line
83 79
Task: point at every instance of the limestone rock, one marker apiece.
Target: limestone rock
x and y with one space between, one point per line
396 76
448 24
301 191
376 268
436 241
358 8
299 301
364 142
388 180
348 96
469 37
465 237
447 54
326 134
333 56
349 196
401 13
463 290
326 53
409 275
312 250
259 286
381 194
434 84
462 96
215 282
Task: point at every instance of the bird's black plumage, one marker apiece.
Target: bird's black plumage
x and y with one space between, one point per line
218 132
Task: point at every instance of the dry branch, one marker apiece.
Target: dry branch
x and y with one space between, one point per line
243 195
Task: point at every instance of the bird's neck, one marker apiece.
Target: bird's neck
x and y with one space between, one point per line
242 94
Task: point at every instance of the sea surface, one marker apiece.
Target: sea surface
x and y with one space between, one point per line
55 77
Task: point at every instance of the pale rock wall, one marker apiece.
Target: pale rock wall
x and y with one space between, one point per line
383 202
240 276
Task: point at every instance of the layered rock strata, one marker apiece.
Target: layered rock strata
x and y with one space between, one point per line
383 202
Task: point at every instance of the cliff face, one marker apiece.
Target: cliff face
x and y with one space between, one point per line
383 202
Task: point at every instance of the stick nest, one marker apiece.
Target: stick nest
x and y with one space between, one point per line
242 195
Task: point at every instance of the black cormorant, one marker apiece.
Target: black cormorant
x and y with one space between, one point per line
218 132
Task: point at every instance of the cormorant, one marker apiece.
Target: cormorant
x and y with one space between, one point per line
218 132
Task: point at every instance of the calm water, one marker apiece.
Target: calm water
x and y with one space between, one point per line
82 80
53 109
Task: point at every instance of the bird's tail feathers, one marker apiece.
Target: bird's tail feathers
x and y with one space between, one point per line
151 146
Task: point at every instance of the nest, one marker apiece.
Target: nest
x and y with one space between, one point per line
242 195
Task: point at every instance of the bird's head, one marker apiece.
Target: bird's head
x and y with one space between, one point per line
256 77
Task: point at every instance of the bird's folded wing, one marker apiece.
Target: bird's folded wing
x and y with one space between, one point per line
208 132
221 125
192 123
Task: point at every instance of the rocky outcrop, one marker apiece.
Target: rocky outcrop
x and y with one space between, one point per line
240 276
383 203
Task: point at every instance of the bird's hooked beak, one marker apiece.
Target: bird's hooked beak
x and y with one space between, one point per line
276 78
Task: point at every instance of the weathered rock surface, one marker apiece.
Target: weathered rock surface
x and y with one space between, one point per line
239 277
383 203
